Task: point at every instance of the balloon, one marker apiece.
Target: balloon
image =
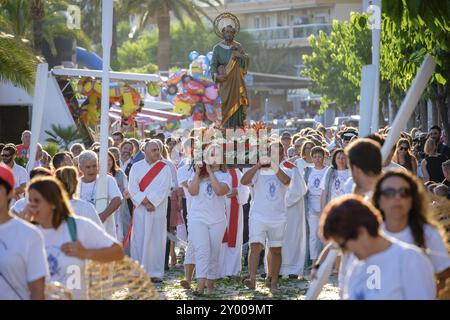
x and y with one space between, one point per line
205 100
189 98
153 89
194 87
175 78
211 112
193 55
212 93
170 97
182 107
172 89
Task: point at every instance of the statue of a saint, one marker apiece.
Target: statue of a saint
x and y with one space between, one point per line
228 67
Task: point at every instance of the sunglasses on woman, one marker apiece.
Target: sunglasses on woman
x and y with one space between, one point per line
391 192
403 148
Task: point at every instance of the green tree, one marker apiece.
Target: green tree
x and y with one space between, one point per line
38 20
17 62
63 136
426 25
160 10
337 59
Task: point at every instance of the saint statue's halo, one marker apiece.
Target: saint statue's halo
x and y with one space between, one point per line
223 20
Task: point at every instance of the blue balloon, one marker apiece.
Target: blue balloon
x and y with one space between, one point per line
193 55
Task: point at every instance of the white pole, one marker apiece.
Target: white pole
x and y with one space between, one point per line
375 9
413 95
322 276
102 190
40 88
366 103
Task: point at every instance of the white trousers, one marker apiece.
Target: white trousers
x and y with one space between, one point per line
206 240
315 245
148 239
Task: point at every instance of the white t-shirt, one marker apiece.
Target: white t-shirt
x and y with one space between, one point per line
314 189
183 174
436 249
401 272
268 196
337 184
85 209
207 207
88 192
20 177
21 261
69 271
123 165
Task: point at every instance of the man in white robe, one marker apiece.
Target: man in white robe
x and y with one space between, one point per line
295 241
149 230
230 259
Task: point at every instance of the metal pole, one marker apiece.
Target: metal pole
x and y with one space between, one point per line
102 190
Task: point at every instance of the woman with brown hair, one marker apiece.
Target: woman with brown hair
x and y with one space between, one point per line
404 157
383 268
123 216
432 164
305 156
70 240
207 217
400 197
68 176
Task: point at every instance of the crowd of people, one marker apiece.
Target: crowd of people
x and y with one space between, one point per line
325 190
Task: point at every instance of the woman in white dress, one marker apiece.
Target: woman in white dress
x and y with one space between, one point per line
402 201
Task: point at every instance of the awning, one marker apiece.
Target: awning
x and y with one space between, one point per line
163 114
140 117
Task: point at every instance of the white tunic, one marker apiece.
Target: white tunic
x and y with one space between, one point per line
149 231
230 260
295 241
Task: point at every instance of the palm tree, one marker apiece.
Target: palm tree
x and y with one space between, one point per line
161 10
63 136
37 16
17 62
38 20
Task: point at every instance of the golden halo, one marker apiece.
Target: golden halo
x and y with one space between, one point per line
223 20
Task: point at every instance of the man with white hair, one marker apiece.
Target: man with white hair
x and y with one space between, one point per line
149 186
88 164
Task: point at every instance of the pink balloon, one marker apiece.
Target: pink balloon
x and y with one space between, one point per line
211 93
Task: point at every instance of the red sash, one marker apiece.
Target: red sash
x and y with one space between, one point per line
231 232
151 174
146 180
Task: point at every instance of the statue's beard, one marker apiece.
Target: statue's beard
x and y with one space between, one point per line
228 38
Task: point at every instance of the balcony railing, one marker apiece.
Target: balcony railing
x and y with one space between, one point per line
289 32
